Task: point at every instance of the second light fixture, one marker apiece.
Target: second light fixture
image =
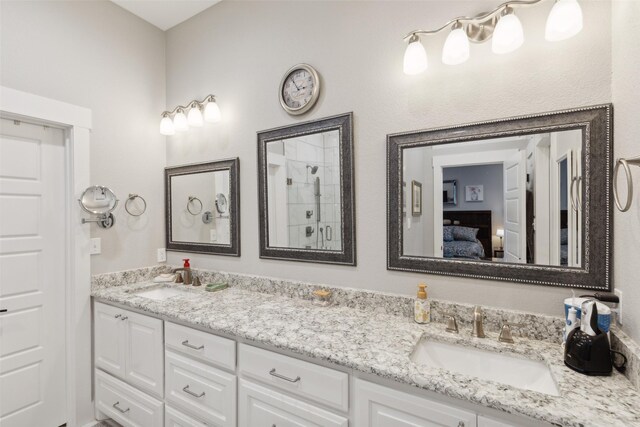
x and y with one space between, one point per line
501 25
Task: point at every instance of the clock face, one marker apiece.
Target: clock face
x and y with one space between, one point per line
299 89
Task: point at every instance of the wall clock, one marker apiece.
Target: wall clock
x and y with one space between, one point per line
299 89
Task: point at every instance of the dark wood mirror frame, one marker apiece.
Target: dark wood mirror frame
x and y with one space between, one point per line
231 249
347 255
595 271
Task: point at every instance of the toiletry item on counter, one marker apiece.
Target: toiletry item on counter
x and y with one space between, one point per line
422 306
322 297
214 287
571 323
587 349
604 312
164 277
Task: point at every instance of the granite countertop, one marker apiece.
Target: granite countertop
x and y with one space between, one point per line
379 343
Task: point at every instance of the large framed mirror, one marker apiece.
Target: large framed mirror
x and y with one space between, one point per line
532 199
306 192
202 203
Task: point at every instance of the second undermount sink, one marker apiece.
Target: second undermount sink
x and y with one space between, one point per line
162 293
499 367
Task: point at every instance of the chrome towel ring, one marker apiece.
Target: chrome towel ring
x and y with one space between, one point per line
130 199
193 199
625 164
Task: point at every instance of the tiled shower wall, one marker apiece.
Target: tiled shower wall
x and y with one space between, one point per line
320 150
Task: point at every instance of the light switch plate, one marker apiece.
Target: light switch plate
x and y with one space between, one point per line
162 255
95 247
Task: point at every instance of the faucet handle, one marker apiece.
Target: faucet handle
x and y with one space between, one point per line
452 324
505 331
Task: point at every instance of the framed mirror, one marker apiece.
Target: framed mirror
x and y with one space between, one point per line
202 203
532 199
306 199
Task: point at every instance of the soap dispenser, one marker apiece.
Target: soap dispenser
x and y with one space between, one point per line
422 307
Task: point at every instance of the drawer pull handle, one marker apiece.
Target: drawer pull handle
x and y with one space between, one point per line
461 424
115 405
124 318
117 316
186 344
186 390
282 377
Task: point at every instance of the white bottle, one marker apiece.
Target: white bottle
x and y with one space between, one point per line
422 307
571 323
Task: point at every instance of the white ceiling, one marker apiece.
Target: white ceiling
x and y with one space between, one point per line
165 14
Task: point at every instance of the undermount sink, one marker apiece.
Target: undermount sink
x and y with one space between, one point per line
499 367
161 294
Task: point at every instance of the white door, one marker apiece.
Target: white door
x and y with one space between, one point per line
515 227
32 275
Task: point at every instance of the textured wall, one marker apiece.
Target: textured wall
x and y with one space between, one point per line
97 55
240 51
626 80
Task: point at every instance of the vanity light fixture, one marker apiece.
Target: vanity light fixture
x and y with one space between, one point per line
194 118
500 234
501 25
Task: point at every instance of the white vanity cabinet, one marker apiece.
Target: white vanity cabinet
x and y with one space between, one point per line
129 346
376 405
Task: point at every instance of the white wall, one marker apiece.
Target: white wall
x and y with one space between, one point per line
240 51
626 80
96 55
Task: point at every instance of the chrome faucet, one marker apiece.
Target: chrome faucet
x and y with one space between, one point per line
185 275
478 330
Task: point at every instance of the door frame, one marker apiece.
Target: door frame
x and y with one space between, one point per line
76 123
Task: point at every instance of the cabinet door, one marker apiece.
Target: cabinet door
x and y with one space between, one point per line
263 406
379 406
144 359
174 418
491 422
109 339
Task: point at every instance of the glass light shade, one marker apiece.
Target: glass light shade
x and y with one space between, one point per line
508 35
180 122
456 47
415 58
212 112
500 232
194 118
564 21
166 126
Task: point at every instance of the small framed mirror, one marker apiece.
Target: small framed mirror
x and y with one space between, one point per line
524 199
203 207
306 199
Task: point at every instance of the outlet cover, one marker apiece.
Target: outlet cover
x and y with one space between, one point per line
618 293
162 255
95 247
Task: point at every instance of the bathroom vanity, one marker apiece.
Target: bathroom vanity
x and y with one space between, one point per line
239 357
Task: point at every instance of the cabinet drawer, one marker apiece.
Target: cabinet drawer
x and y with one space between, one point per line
261 406
125 404
201 345
376 405
175 418
206 393
305 379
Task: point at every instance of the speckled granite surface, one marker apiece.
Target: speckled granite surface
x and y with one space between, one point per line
374 341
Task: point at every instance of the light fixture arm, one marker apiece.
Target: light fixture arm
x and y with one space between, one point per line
208 98
477 20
